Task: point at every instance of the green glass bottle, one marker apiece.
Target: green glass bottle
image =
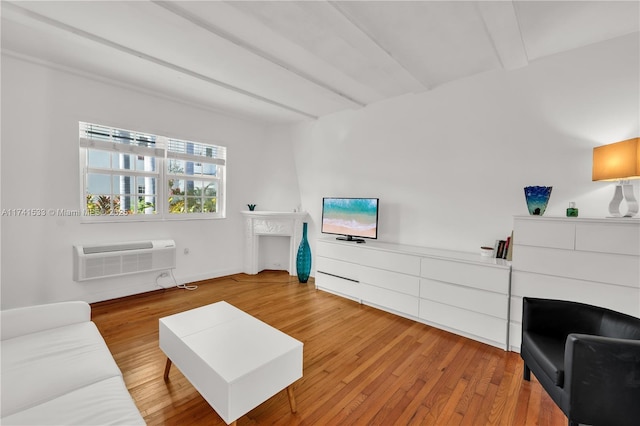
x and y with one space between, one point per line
572 211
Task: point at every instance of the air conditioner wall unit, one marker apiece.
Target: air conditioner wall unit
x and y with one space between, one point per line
111 260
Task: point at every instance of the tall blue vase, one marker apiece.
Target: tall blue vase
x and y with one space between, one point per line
303 259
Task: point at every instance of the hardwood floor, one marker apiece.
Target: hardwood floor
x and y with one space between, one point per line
362 366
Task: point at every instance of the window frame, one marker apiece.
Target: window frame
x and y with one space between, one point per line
162 154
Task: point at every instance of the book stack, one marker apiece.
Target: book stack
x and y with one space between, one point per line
504 248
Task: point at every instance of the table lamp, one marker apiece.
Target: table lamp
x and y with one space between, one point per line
620 162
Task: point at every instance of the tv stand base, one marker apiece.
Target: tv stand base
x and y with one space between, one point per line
351 239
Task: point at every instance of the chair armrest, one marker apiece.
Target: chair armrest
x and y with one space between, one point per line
558 318
30 319
602 379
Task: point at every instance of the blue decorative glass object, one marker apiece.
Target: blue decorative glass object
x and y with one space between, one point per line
537 198
252 207
303 259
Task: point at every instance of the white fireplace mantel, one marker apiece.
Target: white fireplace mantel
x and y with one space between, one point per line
260 224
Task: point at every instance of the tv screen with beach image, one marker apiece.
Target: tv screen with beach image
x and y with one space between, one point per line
356 217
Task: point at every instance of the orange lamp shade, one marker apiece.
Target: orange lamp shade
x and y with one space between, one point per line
617 161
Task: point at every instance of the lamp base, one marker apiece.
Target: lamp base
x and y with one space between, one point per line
624 191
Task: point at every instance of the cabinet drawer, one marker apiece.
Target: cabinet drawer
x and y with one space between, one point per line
515 309
609 238
484 302
407 284
486 327
489 278
337 285
530 232
344 252
337 267
397 262
616 297
515 336
366 256
388 299
581 265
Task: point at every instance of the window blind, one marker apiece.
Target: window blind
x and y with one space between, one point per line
124 141
198 152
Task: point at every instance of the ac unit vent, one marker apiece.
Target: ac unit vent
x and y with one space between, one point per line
117 247
110 260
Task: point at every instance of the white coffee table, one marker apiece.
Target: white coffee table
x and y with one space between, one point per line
234 360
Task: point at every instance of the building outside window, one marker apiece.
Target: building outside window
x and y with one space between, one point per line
129 175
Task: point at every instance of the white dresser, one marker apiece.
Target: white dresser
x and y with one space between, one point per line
594 261
459 292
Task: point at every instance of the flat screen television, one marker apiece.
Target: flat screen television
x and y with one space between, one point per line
351 218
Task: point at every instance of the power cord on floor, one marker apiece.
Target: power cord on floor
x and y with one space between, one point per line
184 286
175 282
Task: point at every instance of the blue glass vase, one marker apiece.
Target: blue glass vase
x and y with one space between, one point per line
303 259
537 199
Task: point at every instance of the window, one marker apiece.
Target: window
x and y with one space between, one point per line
129 175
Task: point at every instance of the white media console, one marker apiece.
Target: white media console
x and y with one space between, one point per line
594 261
464 293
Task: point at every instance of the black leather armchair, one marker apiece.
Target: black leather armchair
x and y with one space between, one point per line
586 357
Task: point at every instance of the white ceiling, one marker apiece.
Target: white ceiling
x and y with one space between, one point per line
285 61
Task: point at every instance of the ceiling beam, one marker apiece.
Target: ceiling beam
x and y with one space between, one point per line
124 49
208 26
340 9
502 26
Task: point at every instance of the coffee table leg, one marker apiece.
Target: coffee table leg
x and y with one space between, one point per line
167 367
292 398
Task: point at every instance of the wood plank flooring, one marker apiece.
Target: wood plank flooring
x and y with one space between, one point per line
362 366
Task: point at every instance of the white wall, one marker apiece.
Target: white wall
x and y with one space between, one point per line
41 108
449 165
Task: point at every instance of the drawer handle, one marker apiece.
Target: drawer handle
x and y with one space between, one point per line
338 276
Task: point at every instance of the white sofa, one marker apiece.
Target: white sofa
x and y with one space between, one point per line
57 370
